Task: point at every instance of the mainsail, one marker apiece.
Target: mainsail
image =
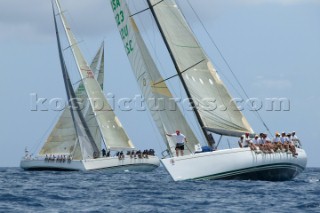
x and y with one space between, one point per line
109 125
217 111
158 98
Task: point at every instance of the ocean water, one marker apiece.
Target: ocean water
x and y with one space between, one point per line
100 191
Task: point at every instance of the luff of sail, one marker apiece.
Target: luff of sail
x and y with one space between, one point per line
61 140
157 95
216 108
97 66
110 127
84 137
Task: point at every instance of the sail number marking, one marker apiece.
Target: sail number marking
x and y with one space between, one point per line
88 72
115 4
129 47
120 19
124 32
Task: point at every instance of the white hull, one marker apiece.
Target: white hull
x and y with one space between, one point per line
237 163
111 163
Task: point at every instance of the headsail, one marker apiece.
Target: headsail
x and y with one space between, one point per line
97 65
217 110
84 137
61 140
110 127
157 96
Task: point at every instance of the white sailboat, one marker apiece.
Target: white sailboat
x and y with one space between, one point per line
75 141
200 81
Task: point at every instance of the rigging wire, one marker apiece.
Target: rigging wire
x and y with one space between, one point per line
152 42
67 51
153 45
151 121
35 147
229 67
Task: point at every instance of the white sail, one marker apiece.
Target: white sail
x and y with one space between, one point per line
84 138
97 66
159 100
217 110
110 127
62 139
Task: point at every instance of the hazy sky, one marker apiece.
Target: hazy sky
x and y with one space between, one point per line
273 46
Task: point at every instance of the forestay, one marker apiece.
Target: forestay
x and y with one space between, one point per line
217 110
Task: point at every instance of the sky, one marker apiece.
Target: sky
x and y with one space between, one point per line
272 46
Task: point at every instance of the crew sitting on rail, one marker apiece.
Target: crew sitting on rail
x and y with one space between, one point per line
277 145
242 143
291 145
295 140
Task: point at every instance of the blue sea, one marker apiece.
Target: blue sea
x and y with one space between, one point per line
100 191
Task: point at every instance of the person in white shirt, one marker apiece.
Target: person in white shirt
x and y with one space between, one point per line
295 139
285 141
241 142
267 145
254 143
248 142
180 140
277 142
255 140
244 140
291 145
259 141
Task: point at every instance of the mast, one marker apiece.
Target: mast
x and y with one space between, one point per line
110 127
71 94
195 110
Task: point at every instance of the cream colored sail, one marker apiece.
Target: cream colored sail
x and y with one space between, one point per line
62 139
110 127
217 109
84 138
158 98
97 66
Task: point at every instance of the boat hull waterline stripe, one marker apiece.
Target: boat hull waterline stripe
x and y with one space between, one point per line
249 173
